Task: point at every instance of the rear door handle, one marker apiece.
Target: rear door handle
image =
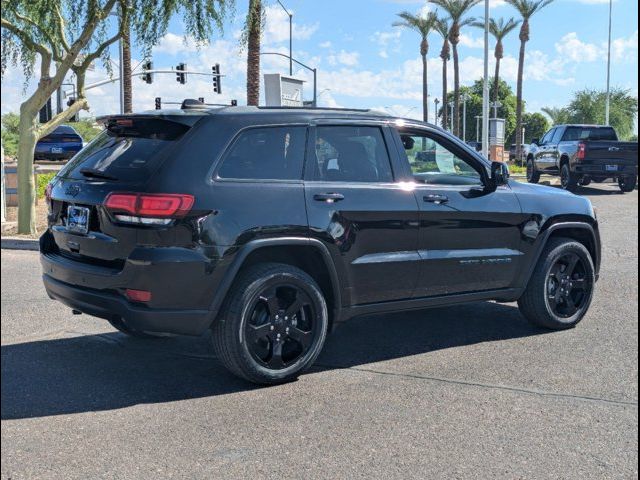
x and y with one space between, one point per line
328 197
436 198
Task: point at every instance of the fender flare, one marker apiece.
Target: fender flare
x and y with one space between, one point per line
244 251
562 226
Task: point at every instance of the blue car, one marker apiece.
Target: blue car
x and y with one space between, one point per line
61 144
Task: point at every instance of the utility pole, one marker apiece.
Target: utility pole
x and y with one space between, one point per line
478 117
451 116
465 97
608 99
435 111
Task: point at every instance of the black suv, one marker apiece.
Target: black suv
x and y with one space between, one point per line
271 226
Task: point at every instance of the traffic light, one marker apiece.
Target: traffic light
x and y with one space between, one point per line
147 76
158 103
234 103
45 112
180 75
217 80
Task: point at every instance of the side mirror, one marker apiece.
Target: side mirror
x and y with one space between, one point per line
534 141
499 175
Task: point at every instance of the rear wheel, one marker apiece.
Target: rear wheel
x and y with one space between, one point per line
628 184
273 325
585 181
568 180
533 176
560 290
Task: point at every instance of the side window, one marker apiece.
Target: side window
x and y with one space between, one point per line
556 136
547 136
350 154
269 153
432 162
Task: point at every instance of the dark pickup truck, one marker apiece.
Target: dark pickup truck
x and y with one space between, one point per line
580 154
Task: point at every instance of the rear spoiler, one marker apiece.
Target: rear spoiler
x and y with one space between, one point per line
188 119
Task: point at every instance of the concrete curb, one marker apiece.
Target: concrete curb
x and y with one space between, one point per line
17 243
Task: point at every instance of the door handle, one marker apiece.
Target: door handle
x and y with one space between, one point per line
436 198
328 197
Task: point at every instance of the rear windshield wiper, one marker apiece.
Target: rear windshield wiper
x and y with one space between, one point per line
93 173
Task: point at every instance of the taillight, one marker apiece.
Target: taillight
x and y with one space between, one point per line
582 148
148 208
143 296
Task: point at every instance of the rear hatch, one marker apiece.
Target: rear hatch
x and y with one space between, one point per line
62 134
119 164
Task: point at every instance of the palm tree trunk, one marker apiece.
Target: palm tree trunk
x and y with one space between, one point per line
444 94
126 67
456 90
253 52
425 90
519 100
496 80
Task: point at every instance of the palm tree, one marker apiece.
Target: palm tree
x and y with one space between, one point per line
423 25
456 9
499 29
557 115
251 38
526 8
442 28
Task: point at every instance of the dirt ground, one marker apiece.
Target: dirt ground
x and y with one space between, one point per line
41 220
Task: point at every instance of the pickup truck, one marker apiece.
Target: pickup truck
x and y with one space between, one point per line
580 154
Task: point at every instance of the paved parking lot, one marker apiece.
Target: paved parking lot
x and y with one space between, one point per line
464 392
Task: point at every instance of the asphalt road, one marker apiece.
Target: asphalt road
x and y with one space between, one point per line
464 392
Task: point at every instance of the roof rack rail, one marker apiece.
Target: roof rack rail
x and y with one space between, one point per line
315 108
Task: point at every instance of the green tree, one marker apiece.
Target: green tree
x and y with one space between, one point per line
10 123
424 25
526 8
588 106
456 9
499 29
53 38
557 115
535 126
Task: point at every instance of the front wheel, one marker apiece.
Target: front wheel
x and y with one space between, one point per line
627 184
533 176
273 324
560 290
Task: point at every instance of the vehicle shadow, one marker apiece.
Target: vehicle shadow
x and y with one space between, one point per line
111 371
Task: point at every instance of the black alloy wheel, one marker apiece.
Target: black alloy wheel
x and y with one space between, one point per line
281 326
568 285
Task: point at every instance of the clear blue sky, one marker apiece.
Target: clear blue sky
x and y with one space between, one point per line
365 62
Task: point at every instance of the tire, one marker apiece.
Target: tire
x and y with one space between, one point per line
627 184
253 340
120 325
548 281
533 176
568 180
585 181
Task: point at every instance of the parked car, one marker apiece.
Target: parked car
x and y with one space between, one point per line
524 152
477 146
61 144
582 153
271 226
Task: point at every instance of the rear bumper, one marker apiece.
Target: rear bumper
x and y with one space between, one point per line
44 152
601 171
109 305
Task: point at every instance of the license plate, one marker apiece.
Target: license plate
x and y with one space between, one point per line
611 168
77 219
56 150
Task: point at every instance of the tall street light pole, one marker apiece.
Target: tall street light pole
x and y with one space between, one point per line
606 105
435 111
485 86
290 37
312 70
465 97
478 117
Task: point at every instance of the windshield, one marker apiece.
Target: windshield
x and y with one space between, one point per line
126 151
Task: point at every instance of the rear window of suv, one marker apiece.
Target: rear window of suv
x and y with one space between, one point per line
128 150
573 134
